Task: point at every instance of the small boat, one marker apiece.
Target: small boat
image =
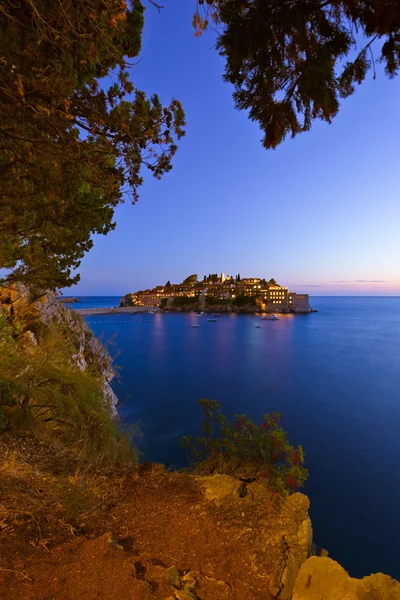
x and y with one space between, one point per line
270 318
212 320
194 325
216 315
152 312
258 327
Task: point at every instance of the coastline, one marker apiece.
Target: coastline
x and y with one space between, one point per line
117 310
132 310
253 310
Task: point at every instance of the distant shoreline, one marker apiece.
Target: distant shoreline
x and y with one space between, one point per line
117 310
68 300
154 309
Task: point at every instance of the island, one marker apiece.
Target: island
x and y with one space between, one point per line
220 293
67 300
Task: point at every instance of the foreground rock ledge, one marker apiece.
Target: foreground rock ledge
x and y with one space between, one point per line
321 578
283 535
158 535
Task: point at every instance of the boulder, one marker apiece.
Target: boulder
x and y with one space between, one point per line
283 541
219 488
322 577
173 577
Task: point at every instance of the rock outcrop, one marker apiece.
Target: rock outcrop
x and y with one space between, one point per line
68 300
283 534
126 300
323 578
34 313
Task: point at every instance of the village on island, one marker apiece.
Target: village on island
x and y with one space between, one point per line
222 293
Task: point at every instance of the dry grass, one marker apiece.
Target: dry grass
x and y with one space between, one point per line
67 534
46 497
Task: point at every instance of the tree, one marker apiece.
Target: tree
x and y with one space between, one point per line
292 61
168 284
74 132
191 280
272 282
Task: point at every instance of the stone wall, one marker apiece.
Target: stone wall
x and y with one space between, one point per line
300 303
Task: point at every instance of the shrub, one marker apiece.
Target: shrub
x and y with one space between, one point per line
212 301
185 300
260 450
42 389
127 300
163 302
75 316
243 300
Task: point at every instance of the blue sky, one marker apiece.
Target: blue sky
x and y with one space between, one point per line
321 213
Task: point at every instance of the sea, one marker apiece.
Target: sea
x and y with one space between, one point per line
333 374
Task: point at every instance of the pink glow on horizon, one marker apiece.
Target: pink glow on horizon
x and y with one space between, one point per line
349 288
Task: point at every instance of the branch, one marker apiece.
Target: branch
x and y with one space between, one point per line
24 575
158 7
367 46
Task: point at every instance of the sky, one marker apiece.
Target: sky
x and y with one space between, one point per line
320 213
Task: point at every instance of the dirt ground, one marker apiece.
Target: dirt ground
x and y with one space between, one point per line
143 535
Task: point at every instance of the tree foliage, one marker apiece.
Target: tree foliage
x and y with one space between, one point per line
127 300
191 280
185 300
292 61
213 301
243 299
74 131
262 450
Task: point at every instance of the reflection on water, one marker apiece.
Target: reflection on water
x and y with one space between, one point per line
335 377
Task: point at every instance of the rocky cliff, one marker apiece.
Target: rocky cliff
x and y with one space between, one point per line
33 313
282 538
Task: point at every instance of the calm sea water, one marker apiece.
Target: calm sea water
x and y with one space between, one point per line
94 301
335 375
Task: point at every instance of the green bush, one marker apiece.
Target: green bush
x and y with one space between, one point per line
127 300
262 451
42 389
244 300
163 302
185 300
8 391
75 316
212 301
